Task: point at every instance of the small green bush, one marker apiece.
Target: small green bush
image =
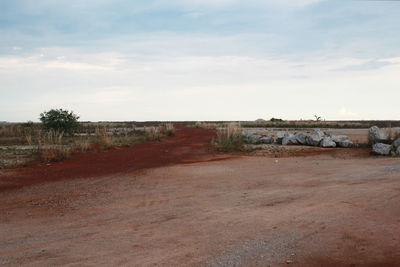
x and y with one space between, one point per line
276 120
60 120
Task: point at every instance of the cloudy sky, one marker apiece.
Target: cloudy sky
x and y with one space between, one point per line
200 59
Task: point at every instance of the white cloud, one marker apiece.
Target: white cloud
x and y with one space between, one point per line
124 86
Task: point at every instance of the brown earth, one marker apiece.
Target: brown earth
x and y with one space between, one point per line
175 203
188 145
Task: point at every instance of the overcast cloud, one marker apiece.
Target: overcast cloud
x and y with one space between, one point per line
200 60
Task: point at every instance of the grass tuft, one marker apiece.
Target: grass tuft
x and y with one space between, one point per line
230 138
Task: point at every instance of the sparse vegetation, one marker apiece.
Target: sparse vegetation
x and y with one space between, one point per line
305 124
23 142
48 146
317 118
206 125
103 137
153 133
230 138
168 129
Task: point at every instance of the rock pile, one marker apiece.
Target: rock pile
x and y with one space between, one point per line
317 138
376 135
381 142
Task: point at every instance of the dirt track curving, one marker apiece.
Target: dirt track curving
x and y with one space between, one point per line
184 208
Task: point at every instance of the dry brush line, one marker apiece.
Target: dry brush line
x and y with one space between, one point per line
230 138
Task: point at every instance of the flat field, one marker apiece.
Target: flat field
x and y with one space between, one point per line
178 203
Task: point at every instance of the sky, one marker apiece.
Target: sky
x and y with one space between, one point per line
130 60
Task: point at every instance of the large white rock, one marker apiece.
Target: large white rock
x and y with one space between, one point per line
345 143
342 140
267 140
339 138
279 136
381 149
301 138
327 142
376 135
252 138
396 143
289 139
315 138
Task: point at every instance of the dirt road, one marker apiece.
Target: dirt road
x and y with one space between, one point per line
189 210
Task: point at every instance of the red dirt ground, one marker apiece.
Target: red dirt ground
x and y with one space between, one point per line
189 145
175 203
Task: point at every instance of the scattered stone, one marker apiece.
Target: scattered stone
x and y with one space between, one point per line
289 262
279 136
342 140
398 151
396 143
381 149
267 140
327 142
345 143
339 138
289 139
301 138
315 138
252 138
376 135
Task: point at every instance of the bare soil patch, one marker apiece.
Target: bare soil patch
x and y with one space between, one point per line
144 206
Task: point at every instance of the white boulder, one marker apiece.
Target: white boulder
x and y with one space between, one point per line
267 140
327 142
301 138
315 138
376 135
381 149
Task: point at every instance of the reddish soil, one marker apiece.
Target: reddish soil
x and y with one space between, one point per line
189 145
143 206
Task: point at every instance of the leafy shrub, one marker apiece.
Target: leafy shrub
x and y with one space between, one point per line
275 120
60 120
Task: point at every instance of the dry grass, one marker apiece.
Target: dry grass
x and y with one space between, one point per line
153 133
304 124
168 129
28 141
54 154
206 125
230 138
48 146
104 138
